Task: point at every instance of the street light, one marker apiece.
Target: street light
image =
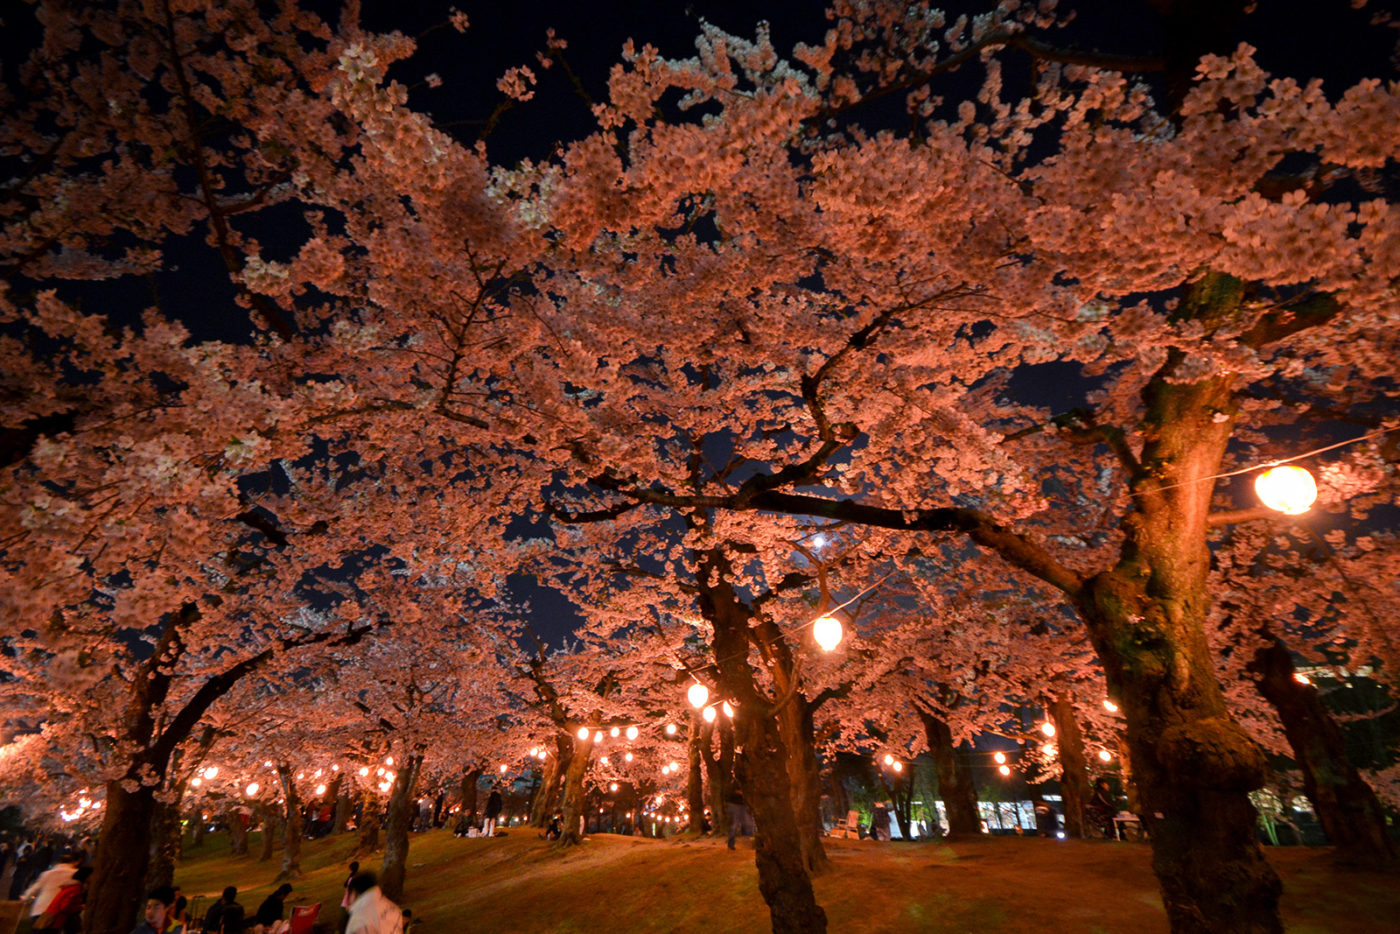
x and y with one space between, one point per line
1289 490
698 694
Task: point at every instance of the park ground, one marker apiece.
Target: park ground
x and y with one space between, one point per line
519 883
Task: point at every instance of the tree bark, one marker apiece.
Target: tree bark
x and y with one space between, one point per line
1074 772
795 720
402 807
333 794
572 832
165 844
694 786
1346 806
782 872
291 826
196 831
719 772
466 790
547 795
271 827
955 782
117 889
237 833
343 805
369 822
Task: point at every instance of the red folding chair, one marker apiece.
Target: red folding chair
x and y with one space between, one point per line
303 919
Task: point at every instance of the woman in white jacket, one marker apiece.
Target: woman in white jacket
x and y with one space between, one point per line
370 911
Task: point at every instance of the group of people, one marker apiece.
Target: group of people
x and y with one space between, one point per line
227 916
467 825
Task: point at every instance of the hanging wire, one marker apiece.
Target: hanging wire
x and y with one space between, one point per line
1283 460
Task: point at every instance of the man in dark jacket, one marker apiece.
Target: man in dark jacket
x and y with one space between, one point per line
493 811
215 915
270 911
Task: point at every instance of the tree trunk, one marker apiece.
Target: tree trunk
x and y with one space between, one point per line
402 808
694 787
467 790
165 844
795 721
782 873
237 833
1347 808
955 782
547 795
291 826
719 772
117 889
1074 773
271 827
343 805
333 794
369 822
197 828
574 806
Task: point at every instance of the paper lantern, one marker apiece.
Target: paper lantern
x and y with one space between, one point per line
1290 490
827 631
698 695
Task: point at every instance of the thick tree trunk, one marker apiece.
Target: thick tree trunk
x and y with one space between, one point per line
782 873
572 832
719 772
1074 772
165 843
955 782
795 721
333 795
343 806
271 827
466 790
197 828
547 795
369 822
402 808
117 889
291 825
694 786
1347 808
237 833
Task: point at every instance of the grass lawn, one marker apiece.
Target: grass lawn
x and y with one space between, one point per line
519 883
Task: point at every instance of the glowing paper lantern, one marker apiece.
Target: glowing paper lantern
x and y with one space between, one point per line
196 781
583 732
534 751
211 772
898 766
827 631
1110 706
698 695
670 729
632 732
1000 757
388 760
628 757
615 732
728 711
604 760
364 770
612 786
320 790
252 788
709 714
1004 769
1105 755
1047 728
598 736
1289 490
889 759
1301 678
503 768
1048 749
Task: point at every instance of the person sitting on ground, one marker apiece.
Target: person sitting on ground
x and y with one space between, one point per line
553 830
371 912
157 906
66 908
213 918
409 923
272 908
232 921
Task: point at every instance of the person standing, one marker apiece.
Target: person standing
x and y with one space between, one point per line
44 888
737 810
493 811
371 912
347 898
66 908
